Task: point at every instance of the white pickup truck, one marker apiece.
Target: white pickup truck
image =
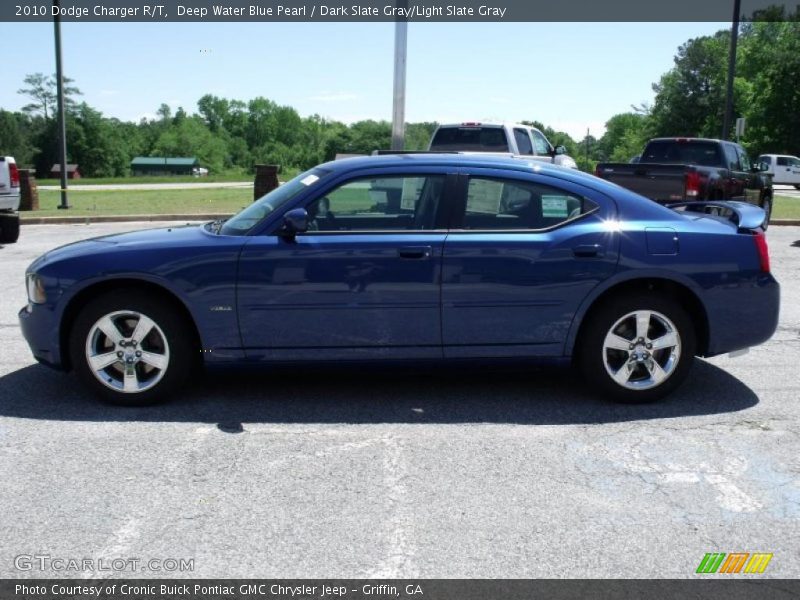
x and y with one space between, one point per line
506 138
9 200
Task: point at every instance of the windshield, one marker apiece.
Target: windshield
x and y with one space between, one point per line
470 139
244 221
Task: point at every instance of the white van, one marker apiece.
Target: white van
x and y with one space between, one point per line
784 168
506 138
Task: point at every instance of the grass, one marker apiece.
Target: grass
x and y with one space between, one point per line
285 174
786 207
143 202
222 178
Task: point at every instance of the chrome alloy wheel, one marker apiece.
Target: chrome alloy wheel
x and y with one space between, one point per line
127 351
641 350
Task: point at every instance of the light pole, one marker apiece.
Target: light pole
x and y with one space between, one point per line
726 123
62 122
399 101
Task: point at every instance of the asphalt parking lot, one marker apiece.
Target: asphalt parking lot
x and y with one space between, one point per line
402 474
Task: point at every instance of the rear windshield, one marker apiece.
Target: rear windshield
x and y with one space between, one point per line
471 139
705 154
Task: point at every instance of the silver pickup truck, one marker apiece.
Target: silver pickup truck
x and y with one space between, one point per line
9 200
506 138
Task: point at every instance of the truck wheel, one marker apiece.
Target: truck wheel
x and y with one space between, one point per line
637 349
130 348
9 229
766 204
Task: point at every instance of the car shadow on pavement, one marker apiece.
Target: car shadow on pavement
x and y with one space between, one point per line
403 395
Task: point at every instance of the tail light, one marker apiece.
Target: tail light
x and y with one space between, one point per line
597 171
692 184
763 251
13 172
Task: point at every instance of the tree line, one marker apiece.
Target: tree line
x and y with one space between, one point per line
229 134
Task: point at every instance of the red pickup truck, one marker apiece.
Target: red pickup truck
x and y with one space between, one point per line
675 170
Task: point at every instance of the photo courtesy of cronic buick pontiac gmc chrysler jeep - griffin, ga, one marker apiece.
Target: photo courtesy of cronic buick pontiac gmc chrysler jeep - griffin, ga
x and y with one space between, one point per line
413 258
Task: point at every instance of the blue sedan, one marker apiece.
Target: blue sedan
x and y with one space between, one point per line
427 257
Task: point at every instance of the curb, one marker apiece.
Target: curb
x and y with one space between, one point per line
118 219
199 217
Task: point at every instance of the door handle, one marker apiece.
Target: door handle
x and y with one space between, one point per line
414 252
588 250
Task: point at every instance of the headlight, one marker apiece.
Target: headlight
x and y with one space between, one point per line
35 289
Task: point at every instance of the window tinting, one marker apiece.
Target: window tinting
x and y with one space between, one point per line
689 152
523 141
400 203
767 159
505 204
489 139
730 158
783 161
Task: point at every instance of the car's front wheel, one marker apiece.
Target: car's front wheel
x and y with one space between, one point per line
130 348
637 348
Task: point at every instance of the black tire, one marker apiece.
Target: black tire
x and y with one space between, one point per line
9 229
171 332
766 204
592 356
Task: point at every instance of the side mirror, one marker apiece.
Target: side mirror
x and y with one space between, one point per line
560 150
295 221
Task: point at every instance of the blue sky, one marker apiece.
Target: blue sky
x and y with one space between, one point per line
568 75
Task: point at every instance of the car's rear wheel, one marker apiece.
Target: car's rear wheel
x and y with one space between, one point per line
9 229
637 348
131 349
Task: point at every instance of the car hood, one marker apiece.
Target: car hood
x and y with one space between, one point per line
166 237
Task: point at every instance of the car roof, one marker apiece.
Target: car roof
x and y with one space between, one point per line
486 124
506 162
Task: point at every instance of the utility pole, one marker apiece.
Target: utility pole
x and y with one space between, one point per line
399 104
726 123
587 150
62 122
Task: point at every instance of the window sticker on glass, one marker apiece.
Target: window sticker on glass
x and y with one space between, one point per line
484 196
555 206
411 190
309 180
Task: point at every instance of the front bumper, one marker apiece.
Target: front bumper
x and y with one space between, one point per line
39 329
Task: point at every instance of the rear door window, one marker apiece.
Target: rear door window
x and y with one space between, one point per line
470 139
523 141
500 204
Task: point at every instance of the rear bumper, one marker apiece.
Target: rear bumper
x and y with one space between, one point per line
9 202
744 317
39 330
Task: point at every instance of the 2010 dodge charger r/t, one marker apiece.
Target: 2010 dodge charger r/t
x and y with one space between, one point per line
414 258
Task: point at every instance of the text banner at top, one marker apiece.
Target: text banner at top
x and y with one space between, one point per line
204 11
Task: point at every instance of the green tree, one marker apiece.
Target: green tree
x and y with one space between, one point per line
43 93
690 98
